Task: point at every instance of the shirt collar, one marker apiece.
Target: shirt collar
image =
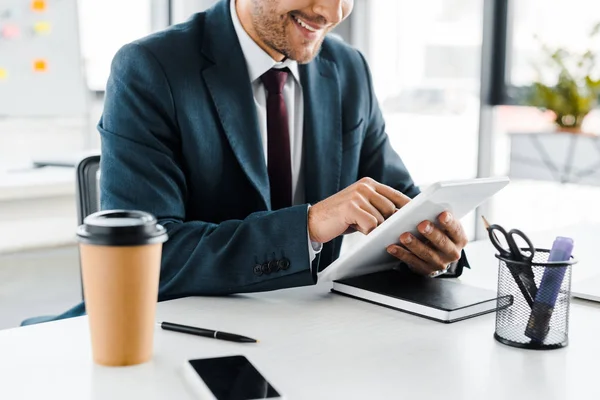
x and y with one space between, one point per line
257 60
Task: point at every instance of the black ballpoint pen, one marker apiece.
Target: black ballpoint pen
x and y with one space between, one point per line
192 330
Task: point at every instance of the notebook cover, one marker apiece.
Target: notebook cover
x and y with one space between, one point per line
442 294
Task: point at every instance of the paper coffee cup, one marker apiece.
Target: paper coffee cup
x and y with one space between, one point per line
120 254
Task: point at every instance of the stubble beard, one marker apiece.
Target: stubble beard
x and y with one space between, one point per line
272 30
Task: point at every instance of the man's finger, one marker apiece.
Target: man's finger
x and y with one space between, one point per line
399 199
426 253
414 263
385 206
439 240
453 228
371 209
363 221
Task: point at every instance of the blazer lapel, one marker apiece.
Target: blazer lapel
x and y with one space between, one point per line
322 129
231 91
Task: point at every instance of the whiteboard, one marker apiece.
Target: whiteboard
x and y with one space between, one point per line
41 71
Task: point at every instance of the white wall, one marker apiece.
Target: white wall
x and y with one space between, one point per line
182 9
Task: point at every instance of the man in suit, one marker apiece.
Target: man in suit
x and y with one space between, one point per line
257 141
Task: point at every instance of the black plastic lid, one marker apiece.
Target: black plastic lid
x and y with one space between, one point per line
121 228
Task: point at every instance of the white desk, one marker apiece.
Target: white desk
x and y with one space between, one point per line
37 208
316 345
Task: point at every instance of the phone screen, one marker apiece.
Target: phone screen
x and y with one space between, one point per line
233 378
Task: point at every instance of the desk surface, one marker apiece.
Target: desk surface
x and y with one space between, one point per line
317 345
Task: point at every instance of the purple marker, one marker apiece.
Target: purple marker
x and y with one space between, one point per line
543 306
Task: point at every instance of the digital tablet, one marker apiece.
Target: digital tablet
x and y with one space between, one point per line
458 197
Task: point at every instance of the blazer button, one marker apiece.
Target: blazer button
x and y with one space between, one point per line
258 270
284 264
265 268
273 266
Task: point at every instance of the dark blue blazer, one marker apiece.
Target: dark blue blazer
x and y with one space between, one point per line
180 139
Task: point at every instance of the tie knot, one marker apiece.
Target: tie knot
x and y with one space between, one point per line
274 80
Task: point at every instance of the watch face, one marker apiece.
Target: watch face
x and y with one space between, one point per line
454 270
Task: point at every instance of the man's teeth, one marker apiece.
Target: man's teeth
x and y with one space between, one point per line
304 25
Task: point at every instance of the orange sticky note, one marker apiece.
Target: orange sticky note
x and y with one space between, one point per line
40 65
3 74
42 27
38 5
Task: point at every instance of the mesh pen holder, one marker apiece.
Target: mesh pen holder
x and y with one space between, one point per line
534 320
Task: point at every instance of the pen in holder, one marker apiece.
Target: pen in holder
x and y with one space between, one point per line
538 317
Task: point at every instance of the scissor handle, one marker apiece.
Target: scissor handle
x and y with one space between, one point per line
506 253
515 249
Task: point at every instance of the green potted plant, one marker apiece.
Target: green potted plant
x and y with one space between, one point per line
576 87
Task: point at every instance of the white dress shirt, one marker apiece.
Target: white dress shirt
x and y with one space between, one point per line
259 62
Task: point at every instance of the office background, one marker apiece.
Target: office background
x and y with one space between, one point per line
452 76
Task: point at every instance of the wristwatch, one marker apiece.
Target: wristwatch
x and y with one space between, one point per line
449 267
455 269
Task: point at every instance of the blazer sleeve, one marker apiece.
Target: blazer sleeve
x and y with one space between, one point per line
141 169
378 160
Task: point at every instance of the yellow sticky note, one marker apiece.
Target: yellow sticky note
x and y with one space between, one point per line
38 5
42 27
3 74
40 65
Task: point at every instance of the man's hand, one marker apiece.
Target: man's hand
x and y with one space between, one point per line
366 204
361 206
443 245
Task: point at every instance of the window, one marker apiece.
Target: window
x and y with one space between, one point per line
425 58
105 26
555 23
531 204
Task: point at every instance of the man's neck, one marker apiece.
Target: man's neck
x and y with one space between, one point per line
242 8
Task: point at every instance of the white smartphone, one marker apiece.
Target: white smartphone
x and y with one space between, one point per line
227 378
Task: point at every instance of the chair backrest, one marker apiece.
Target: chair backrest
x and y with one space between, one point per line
87 187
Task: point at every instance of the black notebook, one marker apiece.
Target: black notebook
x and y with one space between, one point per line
439 299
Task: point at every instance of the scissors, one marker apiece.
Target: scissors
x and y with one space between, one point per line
522 274
509 247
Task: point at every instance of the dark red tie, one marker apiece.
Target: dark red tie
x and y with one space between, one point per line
278 139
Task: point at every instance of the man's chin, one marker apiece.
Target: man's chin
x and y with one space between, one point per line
304 55
305 58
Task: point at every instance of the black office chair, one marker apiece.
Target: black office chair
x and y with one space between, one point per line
88 202
87 187
87 190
